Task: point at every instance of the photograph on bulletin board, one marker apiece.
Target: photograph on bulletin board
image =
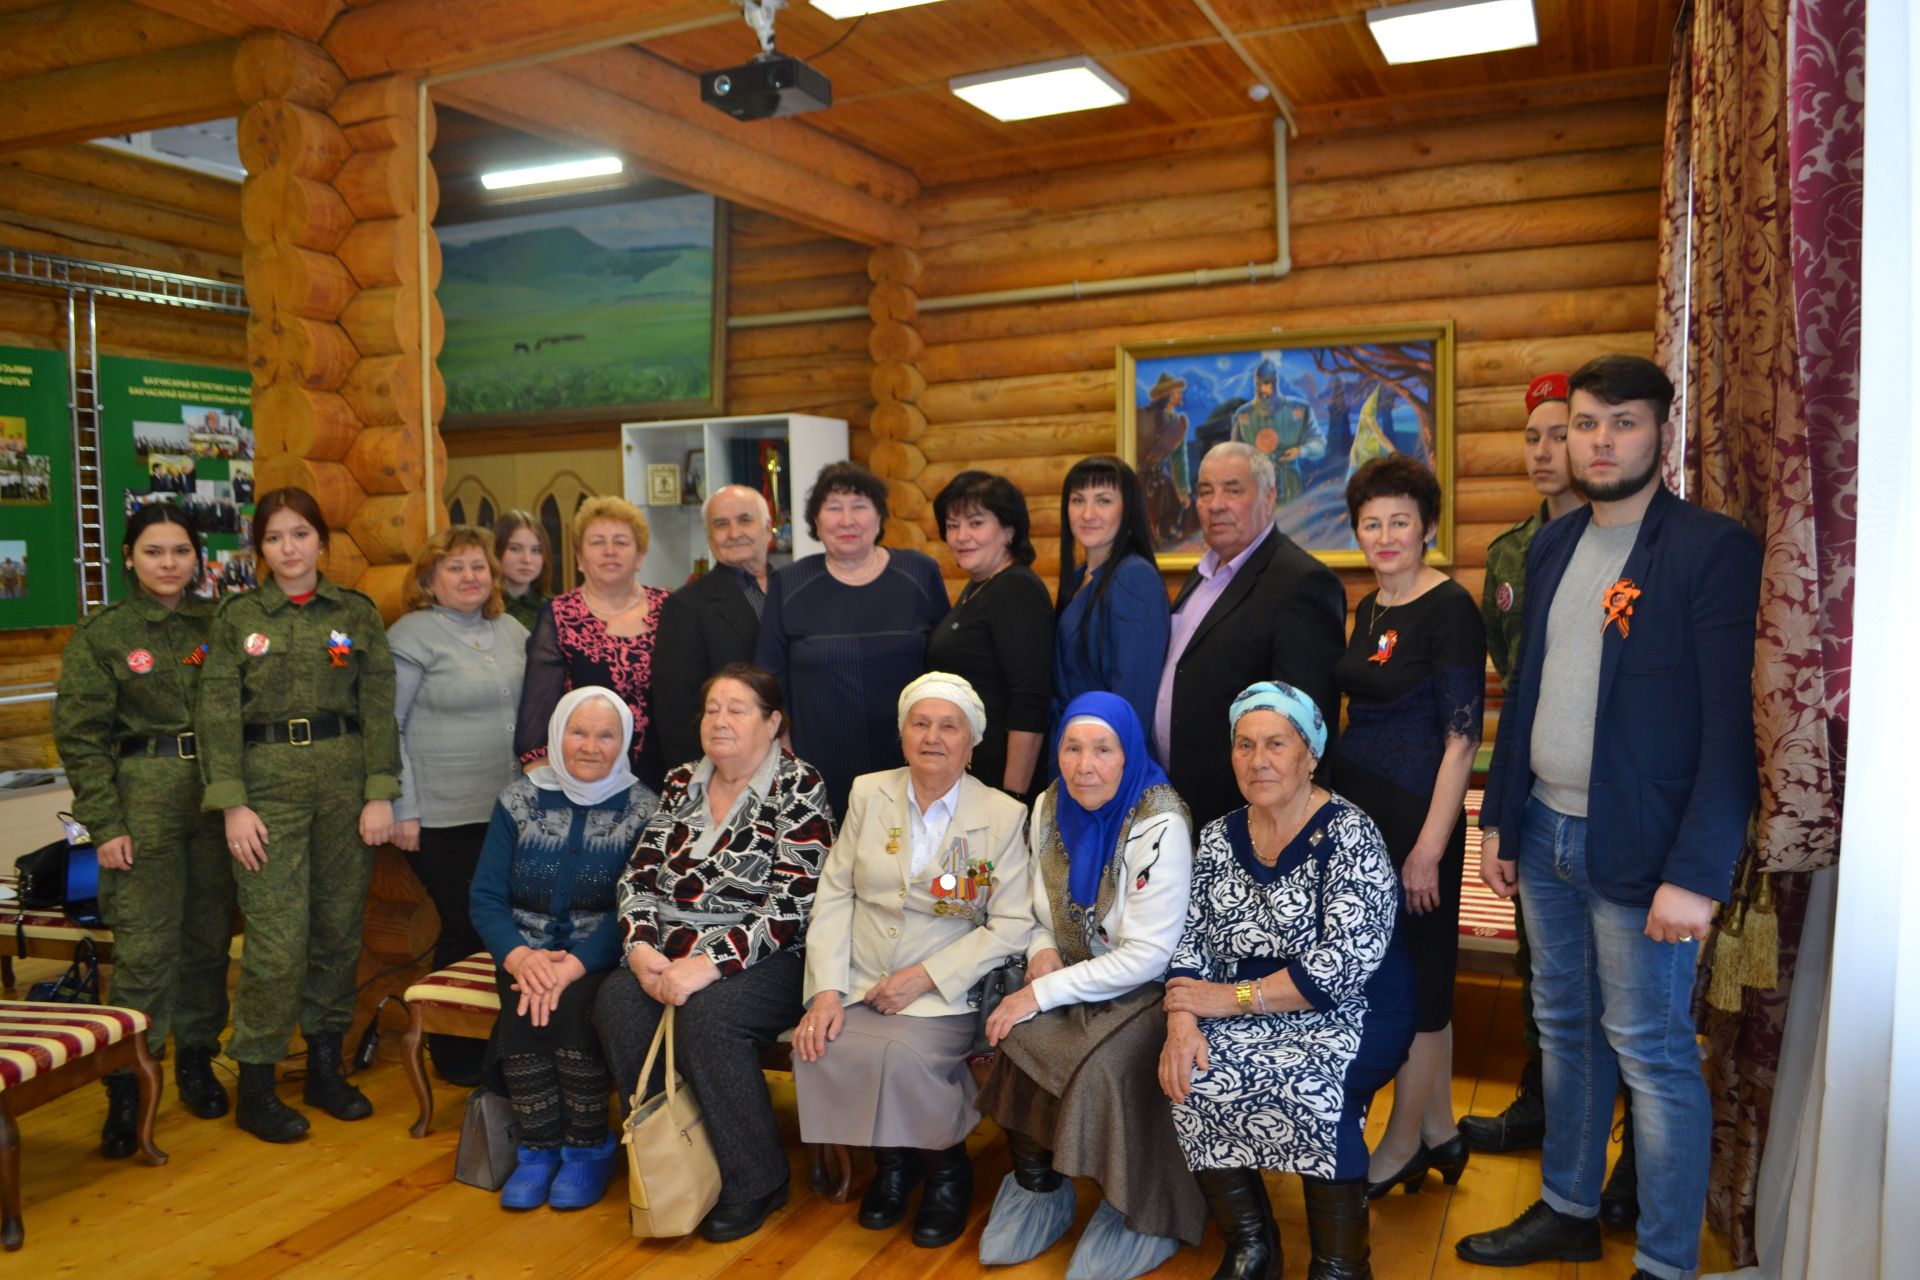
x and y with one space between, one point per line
39 585
181 434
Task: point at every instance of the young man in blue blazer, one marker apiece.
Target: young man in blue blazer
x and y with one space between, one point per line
1623 777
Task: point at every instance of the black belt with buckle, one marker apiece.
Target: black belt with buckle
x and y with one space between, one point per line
184 745
301 732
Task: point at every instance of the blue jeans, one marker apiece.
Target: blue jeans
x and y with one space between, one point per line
1610 1002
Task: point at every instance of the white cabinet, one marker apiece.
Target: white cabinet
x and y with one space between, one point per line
726 449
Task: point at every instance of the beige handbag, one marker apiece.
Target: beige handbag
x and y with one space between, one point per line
672 1177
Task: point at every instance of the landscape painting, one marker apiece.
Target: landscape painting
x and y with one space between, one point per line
1319 403
586 313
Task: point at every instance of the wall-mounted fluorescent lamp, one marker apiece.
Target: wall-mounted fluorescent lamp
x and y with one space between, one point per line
1424 30
1041 89
859 8
566 171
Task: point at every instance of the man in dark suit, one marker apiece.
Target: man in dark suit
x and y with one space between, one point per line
713 620
1255 608
1617 804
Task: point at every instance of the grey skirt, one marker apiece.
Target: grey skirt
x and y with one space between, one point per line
1084 1081
890 1082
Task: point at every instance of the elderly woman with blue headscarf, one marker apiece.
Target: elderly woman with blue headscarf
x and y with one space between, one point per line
1290 998
1111 853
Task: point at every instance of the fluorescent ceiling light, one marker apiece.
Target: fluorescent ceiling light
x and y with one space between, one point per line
1041 89
1428 29
859 8
565 171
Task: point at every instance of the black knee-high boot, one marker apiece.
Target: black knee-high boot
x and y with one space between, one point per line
949 1194
1238 1198
1337 1226
1032 1163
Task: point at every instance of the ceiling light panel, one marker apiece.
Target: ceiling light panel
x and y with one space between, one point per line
1041 89
566 171
1426 30
860 8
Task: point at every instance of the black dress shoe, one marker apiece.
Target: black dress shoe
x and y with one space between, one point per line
896 1170
1541 1234
1411 1175
1620 1198
120 1134
726 1222
945 1201
1449 1159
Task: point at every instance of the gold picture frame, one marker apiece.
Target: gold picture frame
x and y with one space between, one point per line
663 484
1338 397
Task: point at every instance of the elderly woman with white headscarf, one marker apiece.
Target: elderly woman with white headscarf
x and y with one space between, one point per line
925 893
1290 997
543 902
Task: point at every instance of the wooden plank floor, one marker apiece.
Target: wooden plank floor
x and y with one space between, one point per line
367 1200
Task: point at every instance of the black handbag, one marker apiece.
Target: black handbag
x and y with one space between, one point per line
489 1141
80 984
63 876
987 995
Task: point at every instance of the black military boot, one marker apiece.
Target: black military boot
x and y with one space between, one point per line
944 1203
896 1170
1032 1163
1338 1227
326 1087
1620 1198
1521 1127
1238 1199
260 1111
119 1136
200 1090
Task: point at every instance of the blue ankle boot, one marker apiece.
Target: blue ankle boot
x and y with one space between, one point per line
527 1185
584 1173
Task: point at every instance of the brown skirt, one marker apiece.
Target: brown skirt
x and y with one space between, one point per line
1084 1081
890 1082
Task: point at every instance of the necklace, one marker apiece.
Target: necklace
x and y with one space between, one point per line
602 611
1373 620
1306 808
866 566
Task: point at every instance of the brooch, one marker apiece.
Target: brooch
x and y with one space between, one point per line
893 840
1383 649
339 648
140 662
258 644
197 658
1618 600
1503 597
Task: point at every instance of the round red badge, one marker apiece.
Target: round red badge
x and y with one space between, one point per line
1503 597
257 644
140 662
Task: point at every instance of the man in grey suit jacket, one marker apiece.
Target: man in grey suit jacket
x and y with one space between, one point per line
713 620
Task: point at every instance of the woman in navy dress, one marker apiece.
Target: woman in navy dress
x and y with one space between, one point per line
1114 614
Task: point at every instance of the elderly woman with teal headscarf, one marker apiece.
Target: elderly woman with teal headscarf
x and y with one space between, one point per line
1290 998
1111 854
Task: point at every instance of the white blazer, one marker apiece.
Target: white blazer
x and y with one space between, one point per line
1154 871
873 917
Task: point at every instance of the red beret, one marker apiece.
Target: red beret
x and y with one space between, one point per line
1548 386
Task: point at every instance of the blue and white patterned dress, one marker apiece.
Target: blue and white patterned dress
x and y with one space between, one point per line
1290 1091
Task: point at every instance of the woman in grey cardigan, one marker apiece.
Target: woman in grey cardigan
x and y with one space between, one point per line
459 658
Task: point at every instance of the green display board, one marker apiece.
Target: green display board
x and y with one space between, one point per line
39 580
180 433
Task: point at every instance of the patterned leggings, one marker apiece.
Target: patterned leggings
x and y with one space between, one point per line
556 1078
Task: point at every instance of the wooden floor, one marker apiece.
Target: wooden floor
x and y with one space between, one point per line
367 1200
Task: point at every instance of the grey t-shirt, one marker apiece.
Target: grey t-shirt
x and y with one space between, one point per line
1562 744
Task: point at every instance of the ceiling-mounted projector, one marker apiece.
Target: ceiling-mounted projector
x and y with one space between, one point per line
773 84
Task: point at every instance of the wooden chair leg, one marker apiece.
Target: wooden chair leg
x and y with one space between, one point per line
148 1068
830 1171
416 1060
13 1232
6 972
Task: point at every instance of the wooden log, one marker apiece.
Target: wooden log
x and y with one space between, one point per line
55 198
387 460
1494 499
1027 196
830 338
375 98
290 418
808 260
1484 364
386 321
385 391
898 460
287 279
47 37
1586 127
344 563
118 173
149 91
895 264
1148 143
908 501
307 19
1490 453
1470 542
279 134
811 385
1029 475
1033 395
1128 220
895 341
892 420
797 295
386 585
273 64
1630 168
385 251
450 35
50 235
894 303
285 347
378 184
896 380
1076 434
1491 409
280 207
1576 267
40 319
330 483
904 533
389 528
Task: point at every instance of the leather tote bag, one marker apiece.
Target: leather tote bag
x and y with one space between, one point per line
672 1176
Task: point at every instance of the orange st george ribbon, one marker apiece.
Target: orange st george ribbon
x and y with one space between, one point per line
1618 600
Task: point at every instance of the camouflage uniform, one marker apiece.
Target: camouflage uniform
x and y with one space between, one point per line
131 672
526 608
274 663
1503 596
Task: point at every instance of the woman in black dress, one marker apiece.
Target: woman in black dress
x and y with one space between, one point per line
999 633
1414 674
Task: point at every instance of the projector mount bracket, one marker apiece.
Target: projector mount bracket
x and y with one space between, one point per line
759 16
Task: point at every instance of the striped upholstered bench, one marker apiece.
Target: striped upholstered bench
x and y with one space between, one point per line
462 1000
50 1049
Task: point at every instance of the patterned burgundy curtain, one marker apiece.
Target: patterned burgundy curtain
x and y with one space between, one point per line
1758 324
